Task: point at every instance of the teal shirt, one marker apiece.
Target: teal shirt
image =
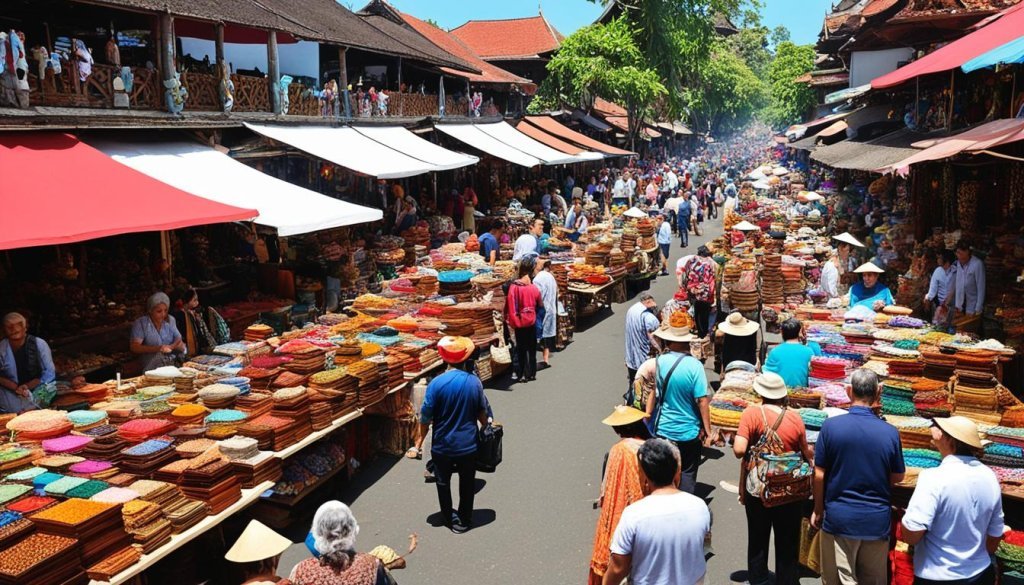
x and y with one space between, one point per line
862 295
791 361
679 417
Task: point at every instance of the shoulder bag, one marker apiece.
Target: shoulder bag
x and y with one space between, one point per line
773 475
661 386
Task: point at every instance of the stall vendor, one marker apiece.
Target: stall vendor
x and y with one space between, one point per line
155 336
26 368
837 266
869 292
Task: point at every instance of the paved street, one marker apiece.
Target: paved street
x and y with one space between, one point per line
535 517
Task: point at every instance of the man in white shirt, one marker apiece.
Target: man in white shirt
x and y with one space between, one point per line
528 244
969 293
660 538
672 180
942 278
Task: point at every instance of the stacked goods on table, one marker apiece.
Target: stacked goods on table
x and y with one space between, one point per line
1006 448
42 559
976 396
772 279
146 457
114 564
931 398
97 526
314 462
306 357
258 332
209 479
145 522
733 397
339 388
293 404
898 397
456 283
106 445
793 279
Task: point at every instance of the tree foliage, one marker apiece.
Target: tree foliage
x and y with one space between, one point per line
789 101
727 93
600 60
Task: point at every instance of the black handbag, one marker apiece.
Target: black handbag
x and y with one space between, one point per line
488 448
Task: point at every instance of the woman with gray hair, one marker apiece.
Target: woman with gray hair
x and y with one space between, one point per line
332 540
155 336
27 373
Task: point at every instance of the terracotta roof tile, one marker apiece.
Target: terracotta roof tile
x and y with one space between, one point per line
517 38
607 108
878 6
450 43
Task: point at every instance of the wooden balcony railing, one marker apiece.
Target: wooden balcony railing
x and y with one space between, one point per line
97 91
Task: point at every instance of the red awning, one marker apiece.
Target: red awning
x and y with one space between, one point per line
1007 28
976 140
232 33
552 141
555 128
59 190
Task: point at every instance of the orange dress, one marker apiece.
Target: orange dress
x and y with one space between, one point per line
621 487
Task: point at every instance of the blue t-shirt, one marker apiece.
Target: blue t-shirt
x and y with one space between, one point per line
453 403
679 417
488 244
858 452
792 361
862 295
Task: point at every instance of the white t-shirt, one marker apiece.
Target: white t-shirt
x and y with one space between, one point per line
665 536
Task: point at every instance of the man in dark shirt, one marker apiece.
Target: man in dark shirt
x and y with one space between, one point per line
454 405
857 459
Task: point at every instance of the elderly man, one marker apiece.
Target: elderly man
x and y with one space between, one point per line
969 283
27 374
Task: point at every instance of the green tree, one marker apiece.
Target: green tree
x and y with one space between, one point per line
601 60
789 100
727 93
433 22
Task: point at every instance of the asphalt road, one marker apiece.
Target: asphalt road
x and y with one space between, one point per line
535 518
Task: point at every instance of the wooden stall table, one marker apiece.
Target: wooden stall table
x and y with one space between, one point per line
601 295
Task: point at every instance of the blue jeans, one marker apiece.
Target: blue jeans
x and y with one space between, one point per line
684 231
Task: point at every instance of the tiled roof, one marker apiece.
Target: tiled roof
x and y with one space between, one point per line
416 43
517 38
317 20
449 42
924 8
607 108
878 6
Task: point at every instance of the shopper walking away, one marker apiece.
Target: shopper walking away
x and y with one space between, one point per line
641 321
547 325
660 539
683 220
791 359
620 483
858 457
681 408
332 541
739 340
454 405
664 242
521 308
700 283
955 517
770 424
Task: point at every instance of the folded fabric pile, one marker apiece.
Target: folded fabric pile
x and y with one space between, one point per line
835 395
1011 551
931 398
145 522
219 395
258 332
239 448
96 525
36 425
67 444
1004 454
86 419
41 559
113 564
898 397
240 382
824 370
813 418
976 396
139 430
915 431
189 413
937 366
922 458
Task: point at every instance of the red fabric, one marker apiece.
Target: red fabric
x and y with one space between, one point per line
976 139
58 190
960 51
232 34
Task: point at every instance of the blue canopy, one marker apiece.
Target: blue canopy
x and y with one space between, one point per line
1011 52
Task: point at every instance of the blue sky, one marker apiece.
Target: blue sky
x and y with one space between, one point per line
802 17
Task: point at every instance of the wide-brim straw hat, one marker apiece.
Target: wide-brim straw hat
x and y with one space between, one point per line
455 350
846 238
771 386
869 268
677 334
624 415
962 429
634 212
256 543
737 324
746 226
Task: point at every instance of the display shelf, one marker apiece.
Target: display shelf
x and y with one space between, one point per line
249 497
593 290
317 435
414 375
290 501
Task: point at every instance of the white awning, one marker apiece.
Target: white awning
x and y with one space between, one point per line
348 148
212 175
406 142
516 139
473 136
